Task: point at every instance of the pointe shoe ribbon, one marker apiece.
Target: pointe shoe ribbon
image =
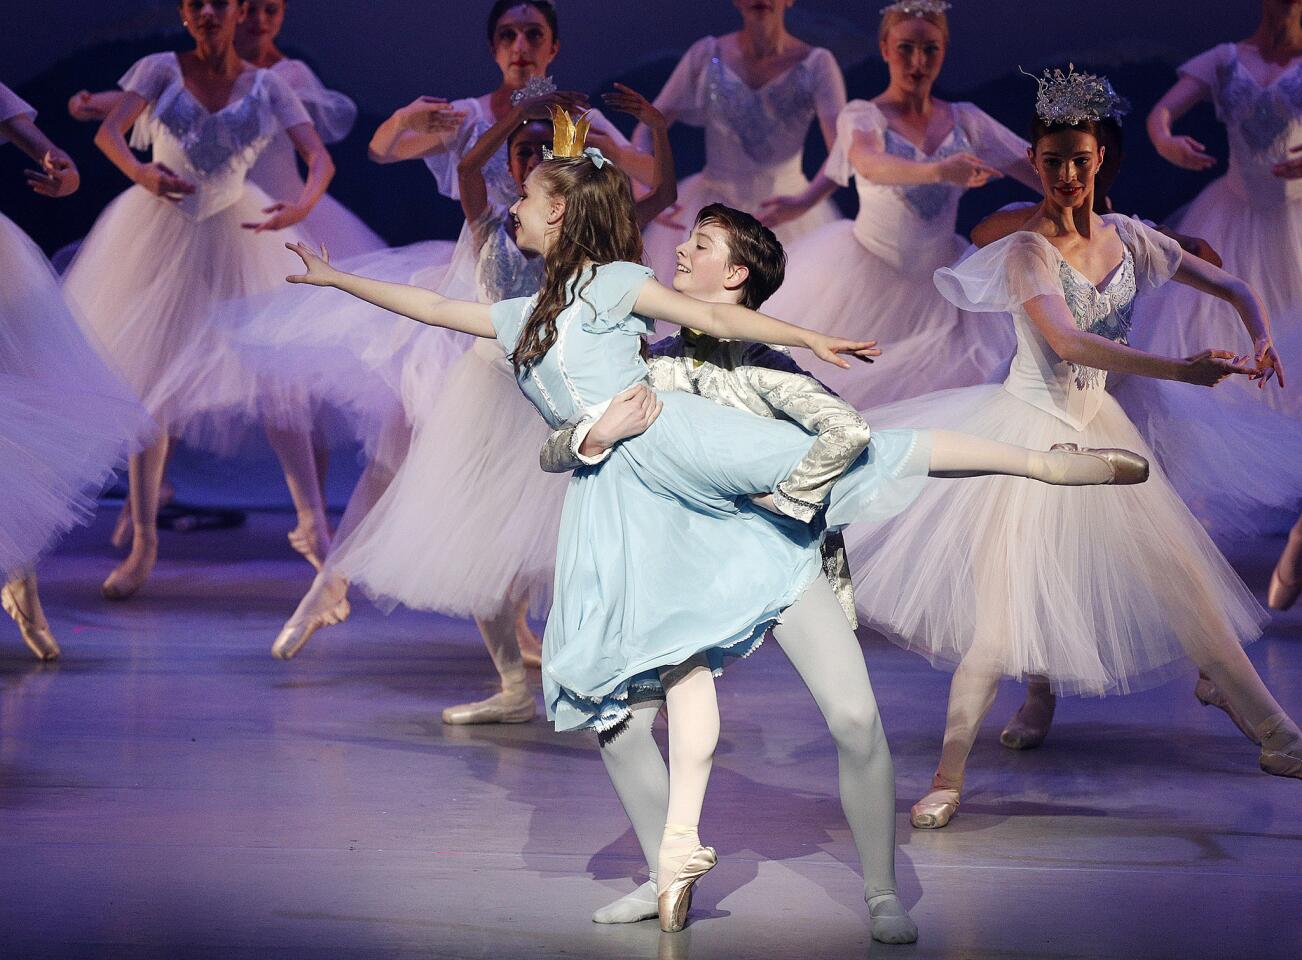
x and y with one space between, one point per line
294 636
675 900
1127 467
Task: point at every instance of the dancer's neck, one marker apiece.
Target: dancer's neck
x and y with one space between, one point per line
1278 36
764 39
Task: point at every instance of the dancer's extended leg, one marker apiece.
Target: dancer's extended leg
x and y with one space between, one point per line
964 455
514 703
818 640
20 600
144 477
298 461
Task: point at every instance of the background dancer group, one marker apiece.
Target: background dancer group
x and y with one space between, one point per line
664 505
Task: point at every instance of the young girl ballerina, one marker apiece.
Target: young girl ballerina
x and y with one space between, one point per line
664 567
208 115
1097 595
66 420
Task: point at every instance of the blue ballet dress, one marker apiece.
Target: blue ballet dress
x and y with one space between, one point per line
661 554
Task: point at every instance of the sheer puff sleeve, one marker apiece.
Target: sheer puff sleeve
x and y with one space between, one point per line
683 95
149 76
613 294
829 86
332 113
1204 66
991 140
12 105
862 117
285 105
1157 257
1003 276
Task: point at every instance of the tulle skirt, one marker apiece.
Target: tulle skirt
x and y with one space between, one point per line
835 285
1100 589
1263 246
342 231
661 237
470 521
147 279
66 420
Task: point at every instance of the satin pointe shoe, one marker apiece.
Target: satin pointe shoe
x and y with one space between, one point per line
507 706
676 899
312 542
1029 726
1282 594
294 635
1279 763
20 600
935 810
1210 695
130 575
1127 467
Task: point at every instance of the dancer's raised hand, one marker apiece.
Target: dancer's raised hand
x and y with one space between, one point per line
627 100
58 176
832 349
161 181
1268 364
319 272
1210 367
430 115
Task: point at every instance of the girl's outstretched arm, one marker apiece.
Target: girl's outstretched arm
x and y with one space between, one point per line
421 305
730 321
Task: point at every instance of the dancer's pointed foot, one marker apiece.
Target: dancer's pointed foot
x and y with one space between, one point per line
20 600
1210 695
324 605
675 897
641 904
891 923
130 575
530 645
311 538
1281 747
1030 724
511 705
935 810
1070 465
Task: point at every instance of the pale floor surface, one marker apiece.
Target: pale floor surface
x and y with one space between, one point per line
169 790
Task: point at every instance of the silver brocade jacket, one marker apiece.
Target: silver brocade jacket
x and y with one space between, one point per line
767 383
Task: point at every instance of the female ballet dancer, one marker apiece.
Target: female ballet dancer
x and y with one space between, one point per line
1095 595
912 157
485 547
207 115
66 420
664 567
755 92
731 258
276 170
1253 214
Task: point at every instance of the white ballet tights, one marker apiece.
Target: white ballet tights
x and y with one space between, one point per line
693 711
964 455
818 640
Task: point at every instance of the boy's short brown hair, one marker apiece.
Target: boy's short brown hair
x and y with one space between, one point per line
751 245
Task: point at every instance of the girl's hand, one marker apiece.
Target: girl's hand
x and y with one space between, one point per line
966 170
57 177
1290 169
629 414
1185 152
831 348
627 100
81 106
1210 367
319 272
159 180
670 217
430 115
776 211
282 215
1268 364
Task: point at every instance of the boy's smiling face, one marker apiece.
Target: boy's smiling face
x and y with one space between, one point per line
703 270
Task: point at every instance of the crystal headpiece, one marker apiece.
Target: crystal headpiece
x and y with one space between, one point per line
568 137
917 8
536 87
1073 97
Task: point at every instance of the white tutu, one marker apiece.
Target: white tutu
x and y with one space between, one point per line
469 519
837 286
1100 589
146 280
66 420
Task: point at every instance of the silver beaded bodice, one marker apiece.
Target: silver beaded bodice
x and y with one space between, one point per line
1263 115
769 123
1104 312
928 200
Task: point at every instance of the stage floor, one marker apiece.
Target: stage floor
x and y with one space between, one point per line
168 790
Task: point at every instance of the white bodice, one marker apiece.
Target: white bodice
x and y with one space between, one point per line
754 137
1008 274
276 170
213 150
911 227
1263 121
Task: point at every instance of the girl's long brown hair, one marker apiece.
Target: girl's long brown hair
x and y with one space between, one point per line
599 226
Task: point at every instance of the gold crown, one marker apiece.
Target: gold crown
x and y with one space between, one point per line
568 137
